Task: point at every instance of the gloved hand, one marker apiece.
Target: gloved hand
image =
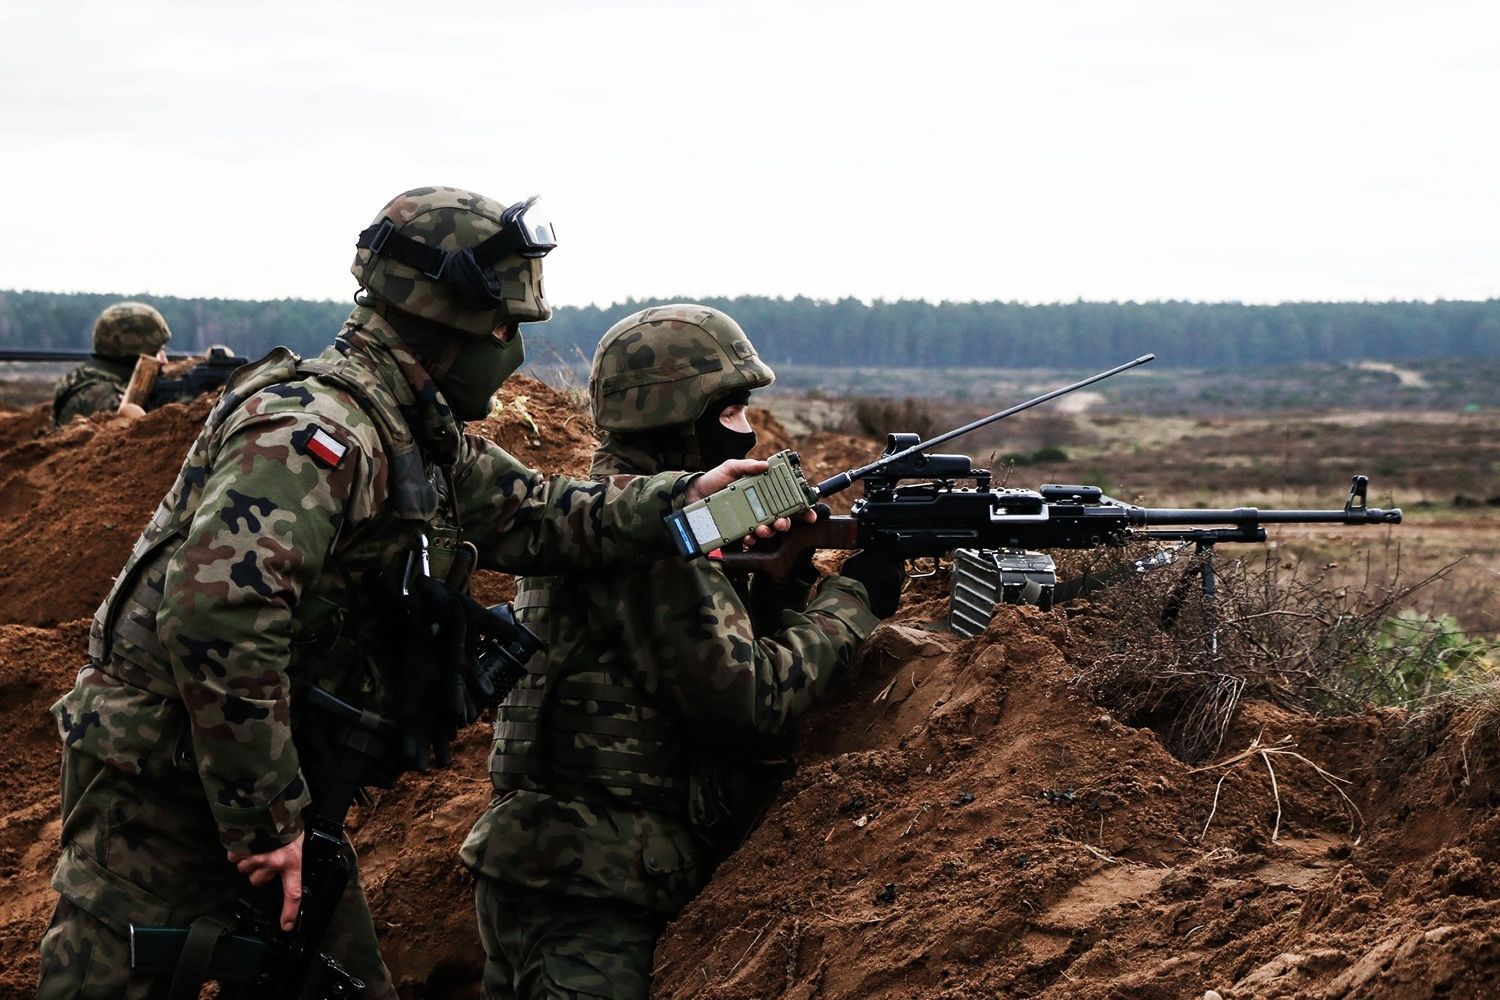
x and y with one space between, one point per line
882 573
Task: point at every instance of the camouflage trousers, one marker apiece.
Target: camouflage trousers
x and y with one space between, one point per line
135 850
547 946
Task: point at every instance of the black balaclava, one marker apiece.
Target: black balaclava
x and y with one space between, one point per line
695 447
467 370
717 443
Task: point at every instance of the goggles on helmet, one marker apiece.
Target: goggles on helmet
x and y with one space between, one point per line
469 271
538 237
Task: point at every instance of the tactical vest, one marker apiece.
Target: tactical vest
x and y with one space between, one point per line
584 731
336 636
76 381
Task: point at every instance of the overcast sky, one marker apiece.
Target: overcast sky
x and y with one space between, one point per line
1099 149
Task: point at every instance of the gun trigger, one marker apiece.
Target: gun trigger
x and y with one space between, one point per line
916 570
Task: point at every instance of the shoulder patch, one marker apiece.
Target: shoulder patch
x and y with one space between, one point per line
321 446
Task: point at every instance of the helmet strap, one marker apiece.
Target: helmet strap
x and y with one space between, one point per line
467 272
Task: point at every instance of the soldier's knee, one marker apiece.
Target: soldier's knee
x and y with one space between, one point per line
82 958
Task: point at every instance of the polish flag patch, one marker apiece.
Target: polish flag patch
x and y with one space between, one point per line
324 449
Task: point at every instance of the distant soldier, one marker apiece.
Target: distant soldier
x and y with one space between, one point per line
640 748
315 493
122 333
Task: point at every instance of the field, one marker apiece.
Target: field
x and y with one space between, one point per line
1015 814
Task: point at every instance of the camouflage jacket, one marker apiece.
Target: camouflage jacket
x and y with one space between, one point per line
617 759
307 480
97 384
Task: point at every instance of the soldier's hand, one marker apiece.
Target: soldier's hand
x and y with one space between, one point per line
784 524
284 862
720 476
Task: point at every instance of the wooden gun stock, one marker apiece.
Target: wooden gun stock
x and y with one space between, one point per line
777 557
142 381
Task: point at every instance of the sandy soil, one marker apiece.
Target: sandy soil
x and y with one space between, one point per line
962 822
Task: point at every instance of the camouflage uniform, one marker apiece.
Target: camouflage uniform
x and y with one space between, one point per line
638 749
121 333
95 386
308 480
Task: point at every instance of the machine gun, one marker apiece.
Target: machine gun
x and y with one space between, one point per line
211 372
937 515
932 518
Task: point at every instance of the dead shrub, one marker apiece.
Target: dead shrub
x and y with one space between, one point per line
877 416
1182 664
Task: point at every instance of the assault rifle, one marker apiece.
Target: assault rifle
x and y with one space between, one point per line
256 958
345 745
211 372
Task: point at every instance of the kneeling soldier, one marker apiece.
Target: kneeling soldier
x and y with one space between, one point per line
643 744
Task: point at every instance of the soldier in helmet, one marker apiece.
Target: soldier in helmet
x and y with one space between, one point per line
122 333
313 490
637 750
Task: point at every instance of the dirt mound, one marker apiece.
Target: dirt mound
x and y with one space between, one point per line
36 667
75 499
962 823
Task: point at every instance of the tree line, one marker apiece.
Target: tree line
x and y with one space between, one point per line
848 332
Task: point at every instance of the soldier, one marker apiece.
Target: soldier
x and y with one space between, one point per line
311 486
636 752
122 333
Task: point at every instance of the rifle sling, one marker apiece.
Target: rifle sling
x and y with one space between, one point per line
196 960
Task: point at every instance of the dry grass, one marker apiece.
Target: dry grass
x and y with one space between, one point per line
567 373
1477 703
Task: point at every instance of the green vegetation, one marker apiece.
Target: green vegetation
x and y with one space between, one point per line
1419 656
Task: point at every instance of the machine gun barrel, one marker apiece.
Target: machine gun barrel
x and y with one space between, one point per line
39 354
1253 515
844 480
1356 511
927 521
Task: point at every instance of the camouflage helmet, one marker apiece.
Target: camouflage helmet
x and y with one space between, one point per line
661 366
412 256
126 329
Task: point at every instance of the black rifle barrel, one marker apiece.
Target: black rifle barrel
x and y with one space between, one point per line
1254 515
38 354
844 480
